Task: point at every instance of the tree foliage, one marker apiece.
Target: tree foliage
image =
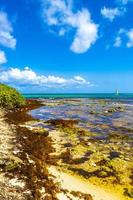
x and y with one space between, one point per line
10 98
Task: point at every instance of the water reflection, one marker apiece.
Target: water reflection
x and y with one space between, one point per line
101 116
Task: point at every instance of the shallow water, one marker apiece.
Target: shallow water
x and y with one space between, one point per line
80 95
92 114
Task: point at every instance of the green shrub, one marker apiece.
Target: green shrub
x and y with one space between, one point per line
10 97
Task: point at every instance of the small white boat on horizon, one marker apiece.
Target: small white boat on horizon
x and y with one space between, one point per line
117 92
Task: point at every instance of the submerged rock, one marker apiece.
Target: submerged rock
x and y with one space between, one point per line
93 112
114 154
118 136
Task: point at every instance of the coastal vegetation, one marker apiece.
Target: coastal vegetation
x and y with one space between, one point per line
10 98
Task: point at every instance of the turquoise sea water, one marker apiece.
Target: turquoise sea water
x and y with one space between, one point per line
76 95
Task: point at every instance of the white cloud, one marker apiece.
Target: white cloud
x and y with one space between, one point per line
130 38
62 32
119 37
111 13
2 57
124 2
86 34
6 37
60 13
118 41
27 76
81 80
124 36
122 31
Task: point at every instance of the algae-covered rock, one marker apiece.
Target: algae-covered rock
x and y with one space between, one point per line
128 192
13 163
118 165
103 174
120 108
121 170
111 110
81 195
118 136
93 112
114 154
11 166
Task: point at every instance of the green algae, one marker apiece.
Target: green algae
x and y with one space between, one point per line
13 163
118 136
107 161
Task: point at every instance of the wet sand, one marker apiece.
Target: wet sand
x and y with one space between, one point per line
76 183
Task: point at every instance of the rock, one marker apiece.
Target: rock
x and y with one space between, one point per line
41 132
128 192
10 166
68 144
111 110
120 108
114 154
16 159
13 163
92 112
17 183
118 165
118 136
2 162
102 174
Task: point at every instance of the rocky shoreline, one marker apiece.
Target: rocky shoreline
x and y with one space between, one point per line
99 151
12 186
25 155
40 163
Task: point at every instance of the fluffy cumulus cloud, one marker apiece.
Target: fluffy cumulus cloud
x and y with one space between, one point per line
2 57
125 37
86 33
6 37
124 2
118 41
112 13
27 76
80 79
130 38
60 14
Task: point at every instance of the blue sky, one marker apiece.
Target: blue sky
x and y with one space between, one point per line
67 45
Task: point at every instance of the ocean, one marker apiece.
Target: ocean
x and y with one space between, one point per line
80 95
